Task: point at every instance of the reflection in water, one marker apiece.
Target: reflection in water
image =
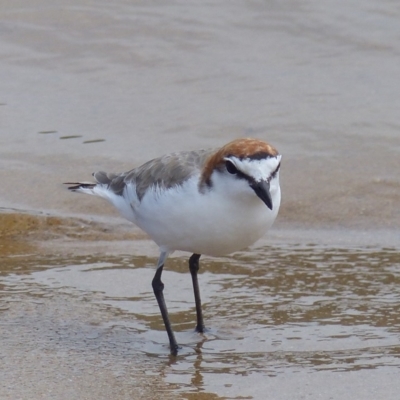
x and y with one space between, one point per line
269 312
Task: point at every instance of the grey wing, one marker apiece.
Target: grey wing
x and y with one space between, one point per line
167 171
114 182
164 172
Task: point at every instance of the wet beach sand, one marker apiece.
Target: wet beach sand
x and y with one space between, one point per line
311 311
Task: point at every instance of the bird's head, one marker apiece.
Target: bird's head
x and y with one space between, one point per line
245 167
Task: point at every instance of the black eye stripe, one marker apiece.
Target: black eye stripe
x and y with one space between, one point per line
241 175
276 171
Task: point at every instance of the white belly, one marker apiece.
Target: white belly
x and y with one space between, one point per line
211 224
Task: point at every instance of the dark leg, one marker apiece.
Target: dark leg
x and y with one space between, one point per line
158 288
194 268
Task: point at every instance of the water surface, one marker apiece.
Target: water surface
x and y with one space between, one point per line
271 314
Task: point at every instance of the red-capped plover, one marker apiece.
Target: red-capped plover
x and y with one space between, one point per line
211 202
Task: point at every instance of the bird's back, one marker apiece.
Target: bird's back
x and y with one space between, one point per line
163 173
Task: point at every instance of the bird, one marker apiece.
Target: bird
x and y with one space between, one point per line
206 202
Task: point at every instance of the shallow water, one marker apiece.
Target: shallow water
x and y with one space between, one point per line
271 313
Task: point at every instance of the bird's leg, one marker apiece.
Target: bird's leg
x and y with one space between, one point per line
158 288
194 268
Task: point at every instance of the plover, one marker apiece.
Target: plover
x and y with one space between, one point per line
211 202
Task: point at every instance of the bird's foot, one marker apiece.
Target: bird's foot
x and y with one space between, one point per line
174 349
200 329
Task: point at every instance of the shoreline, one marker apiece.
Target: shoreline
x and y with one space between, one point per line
93 233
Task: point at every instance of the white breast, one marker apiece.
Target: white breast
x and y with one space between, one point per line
217 222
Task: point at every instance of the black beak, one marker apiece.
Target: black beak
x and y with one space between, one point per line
262 191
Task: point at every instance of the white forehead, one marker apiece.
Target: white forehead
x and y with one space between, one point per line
258 169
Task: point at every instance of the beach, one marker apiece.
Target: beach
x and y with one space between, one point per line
311 310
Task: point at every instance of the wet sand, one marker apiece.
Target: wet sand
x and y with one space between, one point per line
311 311
291 319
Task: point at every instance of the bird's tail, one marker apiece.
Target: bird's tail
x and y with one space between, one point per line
81 187
98 188
77 186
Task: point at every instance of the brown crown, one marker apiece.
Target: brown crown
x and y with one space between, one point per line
240 148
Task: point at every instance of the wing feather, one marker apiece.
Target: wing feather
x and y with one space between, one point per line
163 172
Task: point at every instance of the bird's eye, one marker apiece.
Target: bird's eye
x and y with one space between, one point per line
230 167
